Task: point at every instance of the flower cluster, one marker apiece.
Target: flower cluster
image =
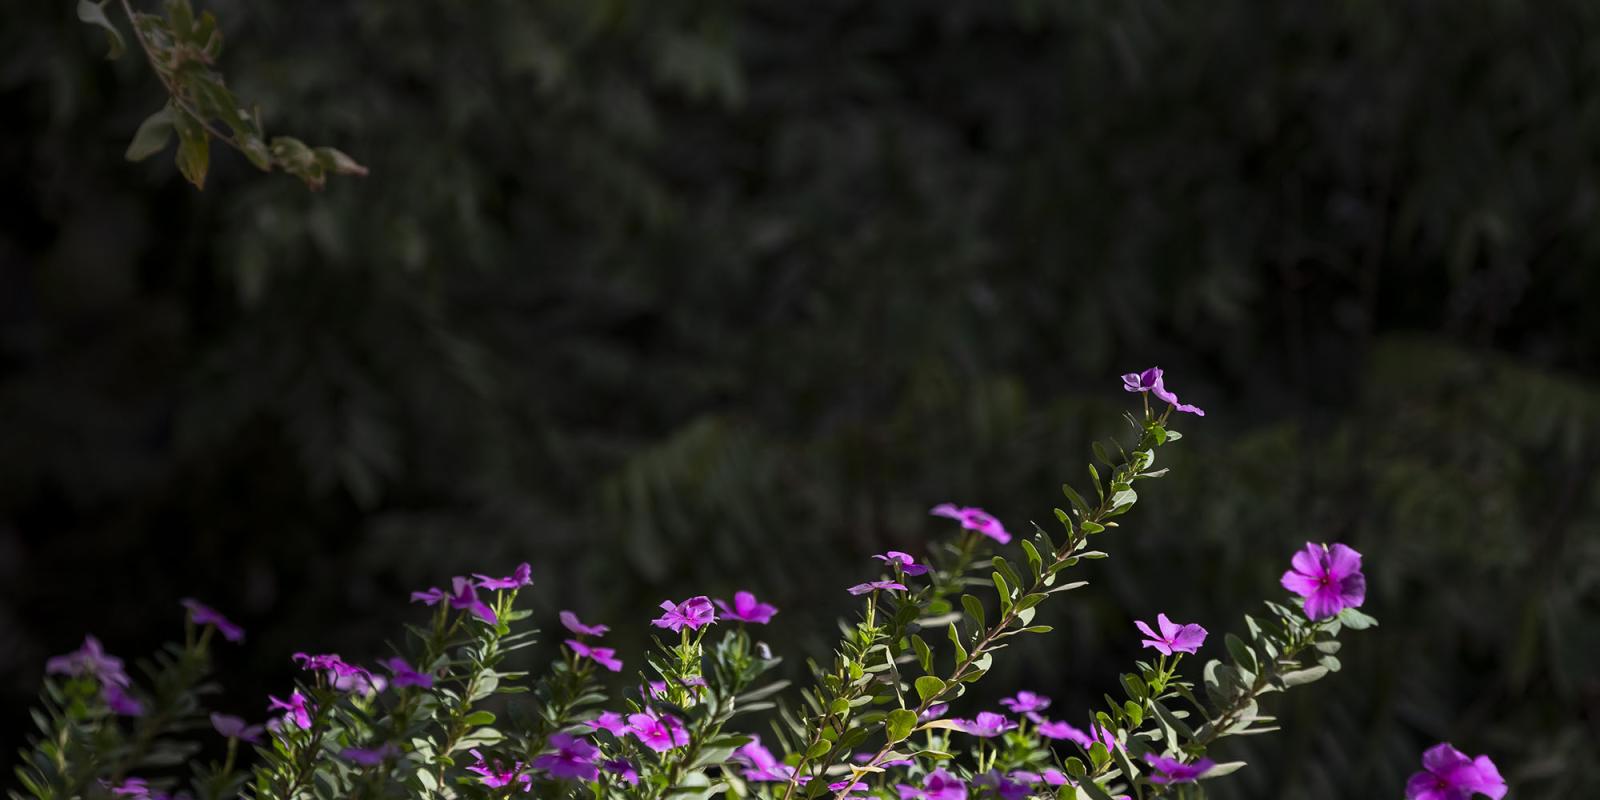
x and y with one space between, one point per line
411 721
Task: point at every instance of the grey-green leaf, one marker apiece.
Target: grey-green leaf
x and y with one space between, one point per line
152 136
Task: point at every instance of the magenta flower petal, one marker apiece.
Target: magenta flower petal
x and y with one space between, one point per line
746 608
974 519
231 727
659 732
571 622
1025 702
1328 577
903 561
370 756
604 656
1173 638
873 586
404 675
1142 381
1171 770
986 725
573 758
694 613
523 576
1448 774
201 614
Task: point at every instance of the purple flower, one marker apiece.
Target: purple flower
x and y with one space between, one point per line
973 519
1004 788
745 608
464 597
904 561
694 613
1449 774
132 787
934 711
846 786
604 656
1026 702
987 725
611 722
201 614
1151 380
522 577
1171 770
1064 730
405 676
659 732
1142 381
1174 638
873 586
938 785
1328 577
431 597
231 727
296 710
119 701
573 758
496 775
570 621
90 659
370 756
346 677
1051 777
624 771
761 766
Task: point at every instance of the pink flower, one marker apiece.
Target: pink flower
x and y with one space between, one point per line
986 725
1142 381
1025 702
624 771
1171 770
119 701
604 656
90 659
297 710
973 519
745 608
903 562
573 758
659 732
404 675
934 711
761 766
523 576
609 721
873 586
231 727
938 785
1328 577
370 756
201 614
1448 774
496 775
1174 638
570 621
694 613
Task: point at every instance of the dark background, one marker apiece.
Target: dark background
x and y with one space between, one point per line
671 298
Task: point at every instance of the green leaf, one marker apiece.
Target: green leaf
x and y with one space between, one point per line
477 718
1225 768
1304 676
900 723
1356 620
92 13
1004 592
924 653
974 610
1171 719
1075 498
1035 563
1241 653
1099 755
1005 569
928 687
194 149
819 749
152 135
955 639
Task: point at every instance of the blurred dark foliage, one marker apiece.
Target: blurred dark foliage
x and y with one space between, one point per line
672 298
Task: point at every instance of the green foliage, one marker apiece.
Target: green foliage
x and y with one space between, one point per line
181 48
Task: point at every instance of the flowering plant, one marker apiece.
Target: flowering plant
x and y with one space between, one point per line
439 717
